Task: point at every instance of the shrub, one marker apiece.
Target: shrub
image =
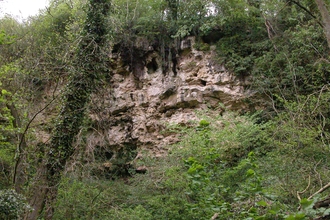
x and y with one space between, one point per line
12 205
211 171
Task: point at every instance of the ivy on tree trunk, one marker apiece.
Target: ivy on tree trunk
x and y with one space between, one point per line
90 65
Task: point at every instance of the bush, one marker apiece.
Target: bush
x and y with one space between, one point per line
300 142
12 205
211 171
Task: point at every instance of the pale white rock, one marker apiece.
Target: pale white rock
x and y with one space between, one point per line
136 110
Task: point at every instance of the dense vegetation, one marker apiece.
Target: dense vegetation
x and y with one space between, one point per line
269 164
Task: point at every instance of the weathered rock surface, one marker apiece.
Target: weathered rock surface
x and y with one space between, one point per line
134 110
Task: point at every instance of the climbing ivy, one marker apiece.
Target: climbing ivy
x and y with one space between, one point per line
89 68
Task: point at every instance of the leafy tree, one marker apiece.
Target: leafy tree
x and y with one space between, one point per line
7 139
195 18
10 120
244 36
90 60
27 64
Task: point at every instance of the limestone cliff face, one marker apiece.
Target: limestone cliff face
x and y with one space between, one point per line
132 113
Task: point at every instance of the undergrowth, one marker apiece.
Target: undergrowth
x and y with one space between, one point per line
224 167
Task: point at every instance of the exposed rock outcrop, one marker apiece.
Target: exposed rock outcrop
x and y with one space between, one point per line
132 113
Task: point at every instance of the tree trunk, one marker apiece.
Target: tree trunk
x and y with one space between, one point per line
19 178
325 18
38 193
90 65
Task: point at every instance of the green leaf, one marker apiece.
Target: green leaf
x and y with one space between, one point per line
262 203
251 154
253 210
306 203
326 212
5 92
273 212
299 216
250 172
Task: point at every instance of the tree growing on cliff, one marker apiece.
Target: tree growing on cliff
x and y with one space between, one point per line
89 67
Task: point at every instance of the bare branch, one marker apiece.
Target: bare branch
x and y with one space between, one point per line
309 183
320 190
308 11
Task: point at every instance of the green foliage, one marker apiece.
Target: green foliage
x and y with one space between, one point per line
7 130
194 18
133 18
61 18
297 67
12 205
90 62
300 132
232 136
5 39
8 138
213 171
10 31
78 200
244 41
279 44
202 46
307 207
